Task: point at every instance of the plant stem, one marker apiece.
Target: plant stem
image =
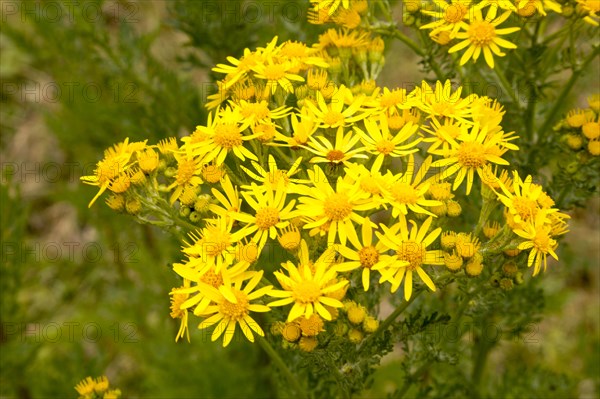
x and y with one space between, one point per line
282 366
411 378
506 86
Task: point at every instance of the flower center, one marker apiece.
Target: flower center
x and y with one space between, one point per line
455 13
335 156
412 252
368 256
404 193
227 135
543 242
185 171
526 208
392 98
274 72
337 207
333 118
481 33
385 146
267 217
471 155
211 278
307 292
235 311
276 176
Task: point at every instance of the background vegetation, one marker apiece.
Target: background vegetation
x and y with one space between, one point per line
84 292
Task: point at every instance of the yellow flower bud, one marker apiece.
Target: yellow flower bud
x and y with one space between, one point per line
312 326
453 261
308 344
454 208
291 332
356 314
370 324
355 336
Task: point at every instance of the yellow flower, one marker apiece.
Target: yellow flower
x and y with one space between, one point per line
116 162
477 149
322 204
331 5
390 101
278 74
371 182
379 141
303 126
258 111
271 213
592 7
230 202
538 237
224 134
309 291
407 191
337 154
441 101
451 128
188 173
448 17
334 114
411 253
271 179
482 35
232 307
527 8
213 246
367 255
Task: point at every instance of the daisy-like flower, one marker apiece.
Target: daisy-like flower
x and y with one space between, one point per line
369 181
365 255
340 153
231 306
441 102
189 169
483 35
450 128
448 17
115 163
524 201
309 290
331 5
212 246
411 253
271 213
334 114
527 8
258 112
271 179
406 191
224 135
390 101
379 141
303 126
593 9
322 204
476 150
278 74
538 237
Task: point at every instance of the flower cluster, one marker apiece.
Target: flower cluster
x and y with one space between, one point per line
305 162
98 388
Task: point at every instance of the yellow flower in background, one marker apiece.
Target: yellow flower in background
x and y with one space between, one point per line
188 174
592 7
213 246
278 75
231 306
450 128
310 291
365 255
369 181
411 254
98 388
441 102
335 154
331 5
321 204
482 35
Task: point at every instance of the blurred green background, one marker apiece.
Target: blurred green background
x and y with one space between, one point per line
85 292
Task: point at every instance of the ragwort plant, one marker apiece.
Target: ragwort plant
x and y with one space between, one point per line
313 200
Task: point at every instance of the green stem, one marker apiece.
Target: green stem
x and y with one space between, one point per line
282 366
506 85
558 104
483 349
